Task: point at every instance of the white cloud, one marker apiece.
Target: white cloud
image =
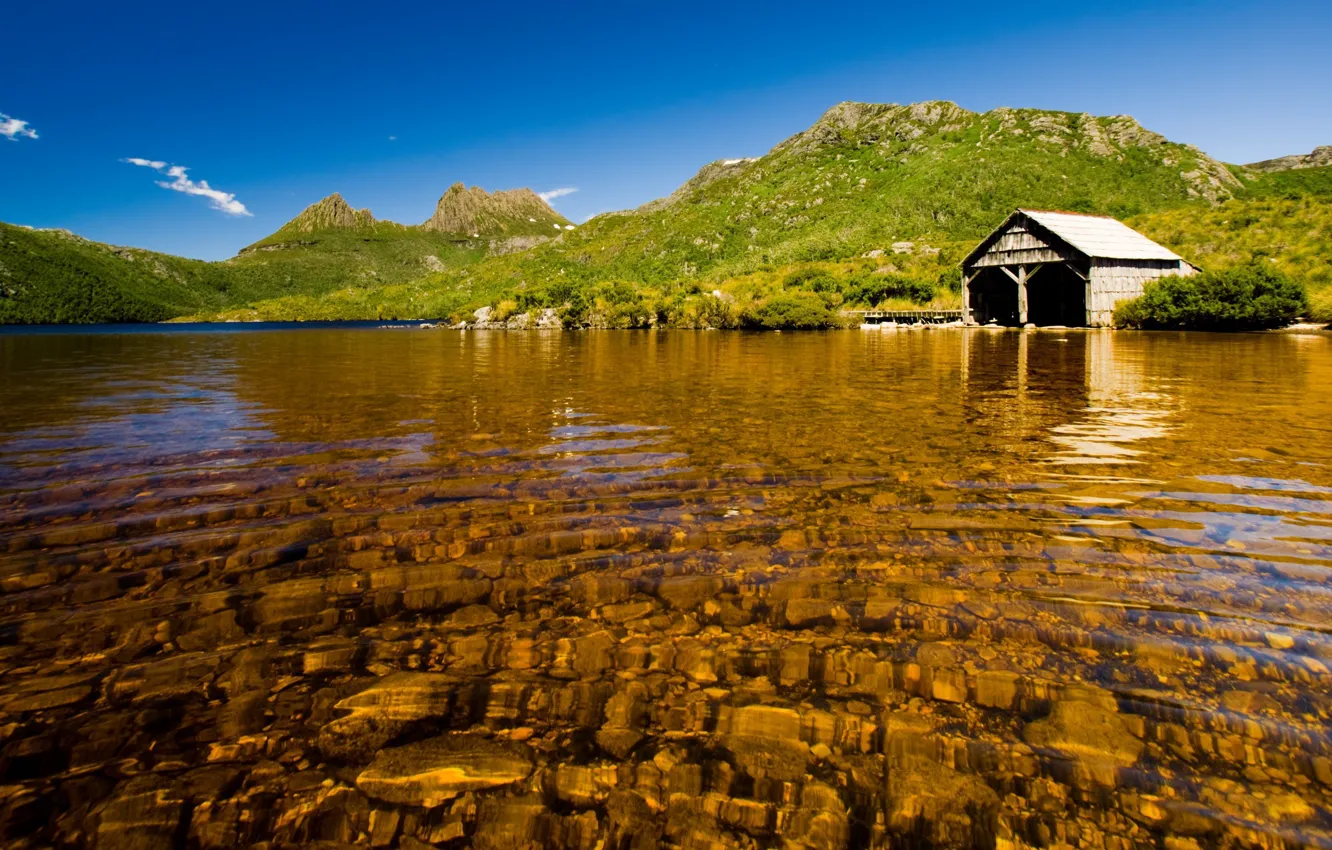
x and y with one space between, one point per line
147 163
393 138
556 193
180 182
13 128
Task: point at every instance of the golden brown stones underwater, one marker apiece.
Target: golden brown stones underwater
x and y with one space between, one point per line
665 590
434 771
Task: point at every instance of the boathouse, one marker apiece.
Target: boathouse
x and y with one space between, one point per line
1060 268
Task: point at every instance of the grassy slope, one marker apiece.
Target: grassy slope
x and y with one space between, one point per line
52 276
1285 216
55 277
863 178
301 273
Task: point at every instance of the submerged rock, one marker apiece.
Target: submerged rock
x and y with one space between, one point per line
1086 727
436 770
383 710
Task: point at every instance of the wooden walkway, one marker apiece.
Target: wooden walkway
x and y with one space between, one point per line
906 317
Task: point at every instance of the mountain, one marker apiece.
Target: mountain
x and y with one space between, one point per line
1320 156
874 204
332 213
55 276
863 179
479 213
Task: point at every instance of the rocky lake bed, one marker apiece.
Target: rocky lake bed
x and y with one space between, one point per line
665 589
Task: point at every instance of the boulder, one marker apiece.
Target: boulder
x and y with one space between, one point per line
1085 726
383 710
434 771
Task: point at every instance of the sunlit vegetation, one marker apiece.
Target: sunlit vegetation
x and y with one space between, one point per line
872 207
1253 296
1284 219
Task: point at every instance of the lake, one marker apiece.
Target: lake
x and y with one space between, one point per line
627 589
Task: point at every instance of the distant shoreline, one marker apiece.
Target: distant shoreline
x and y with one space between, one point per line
1301 328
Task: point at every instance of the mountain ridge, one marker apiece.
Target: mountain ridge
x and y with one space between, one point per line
1318 157
872 201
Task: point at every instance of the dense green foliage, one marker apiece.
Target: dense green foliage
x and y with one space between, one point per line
322 262
53 276
1248 297
792 310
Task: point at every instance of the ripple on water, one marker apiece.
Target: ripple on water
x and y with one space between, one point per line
833 589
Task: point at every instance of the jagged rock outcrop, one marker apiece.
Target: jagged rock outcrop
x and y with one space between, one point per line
1319 156
874 121
332 213
475 211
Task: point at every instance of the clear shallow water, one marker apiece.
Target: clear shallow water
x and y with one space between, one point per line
848 589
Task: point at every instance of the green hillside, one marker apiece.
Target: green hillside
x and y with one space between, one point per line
51 276
820 215
873 205
1284 217
329 251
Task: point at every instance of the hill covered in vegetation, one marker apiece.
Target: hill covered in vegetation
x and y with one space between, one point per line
50 276
53 276
874 205
1283 218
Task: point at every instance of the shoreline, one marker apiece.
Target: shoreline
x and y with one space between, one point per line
1298 329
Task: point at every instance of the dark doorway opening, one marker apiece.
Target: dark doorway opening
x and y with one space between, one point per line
1056 296
994 297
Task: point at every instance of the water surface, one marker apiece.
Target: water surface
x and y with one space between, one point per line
635 589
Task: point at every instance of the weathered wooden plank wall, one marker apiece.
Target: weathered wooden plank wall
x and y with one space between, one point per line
1113 281
1017 245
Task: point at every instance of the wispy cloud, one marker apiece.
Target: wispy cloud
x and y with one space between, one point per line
180 182
15 129
556 193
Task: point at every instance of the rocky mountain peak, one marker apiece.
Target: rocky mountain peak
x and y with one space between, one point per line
874 121
475 211
332 213
1319 156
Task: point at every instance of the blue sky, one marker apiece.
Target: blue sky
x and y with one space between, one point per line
279 104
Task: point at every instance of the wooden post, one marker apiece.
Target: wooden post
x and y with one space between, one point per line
966 298
1022 295
1087 313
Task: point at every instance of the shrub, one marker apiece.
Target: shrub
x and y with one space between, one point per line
504 310
1248 297
875 289
812 279
793 310
716 312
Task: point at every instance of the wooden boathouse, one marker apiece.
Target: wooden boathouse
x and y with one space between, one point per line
1060 268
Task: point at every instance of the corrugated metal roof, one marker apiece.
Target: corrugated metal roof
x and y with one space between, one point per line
1100 236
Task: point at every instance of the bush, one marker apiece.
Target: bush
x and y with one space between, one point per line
812 279
504 310
1248 297
875 289
795 310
